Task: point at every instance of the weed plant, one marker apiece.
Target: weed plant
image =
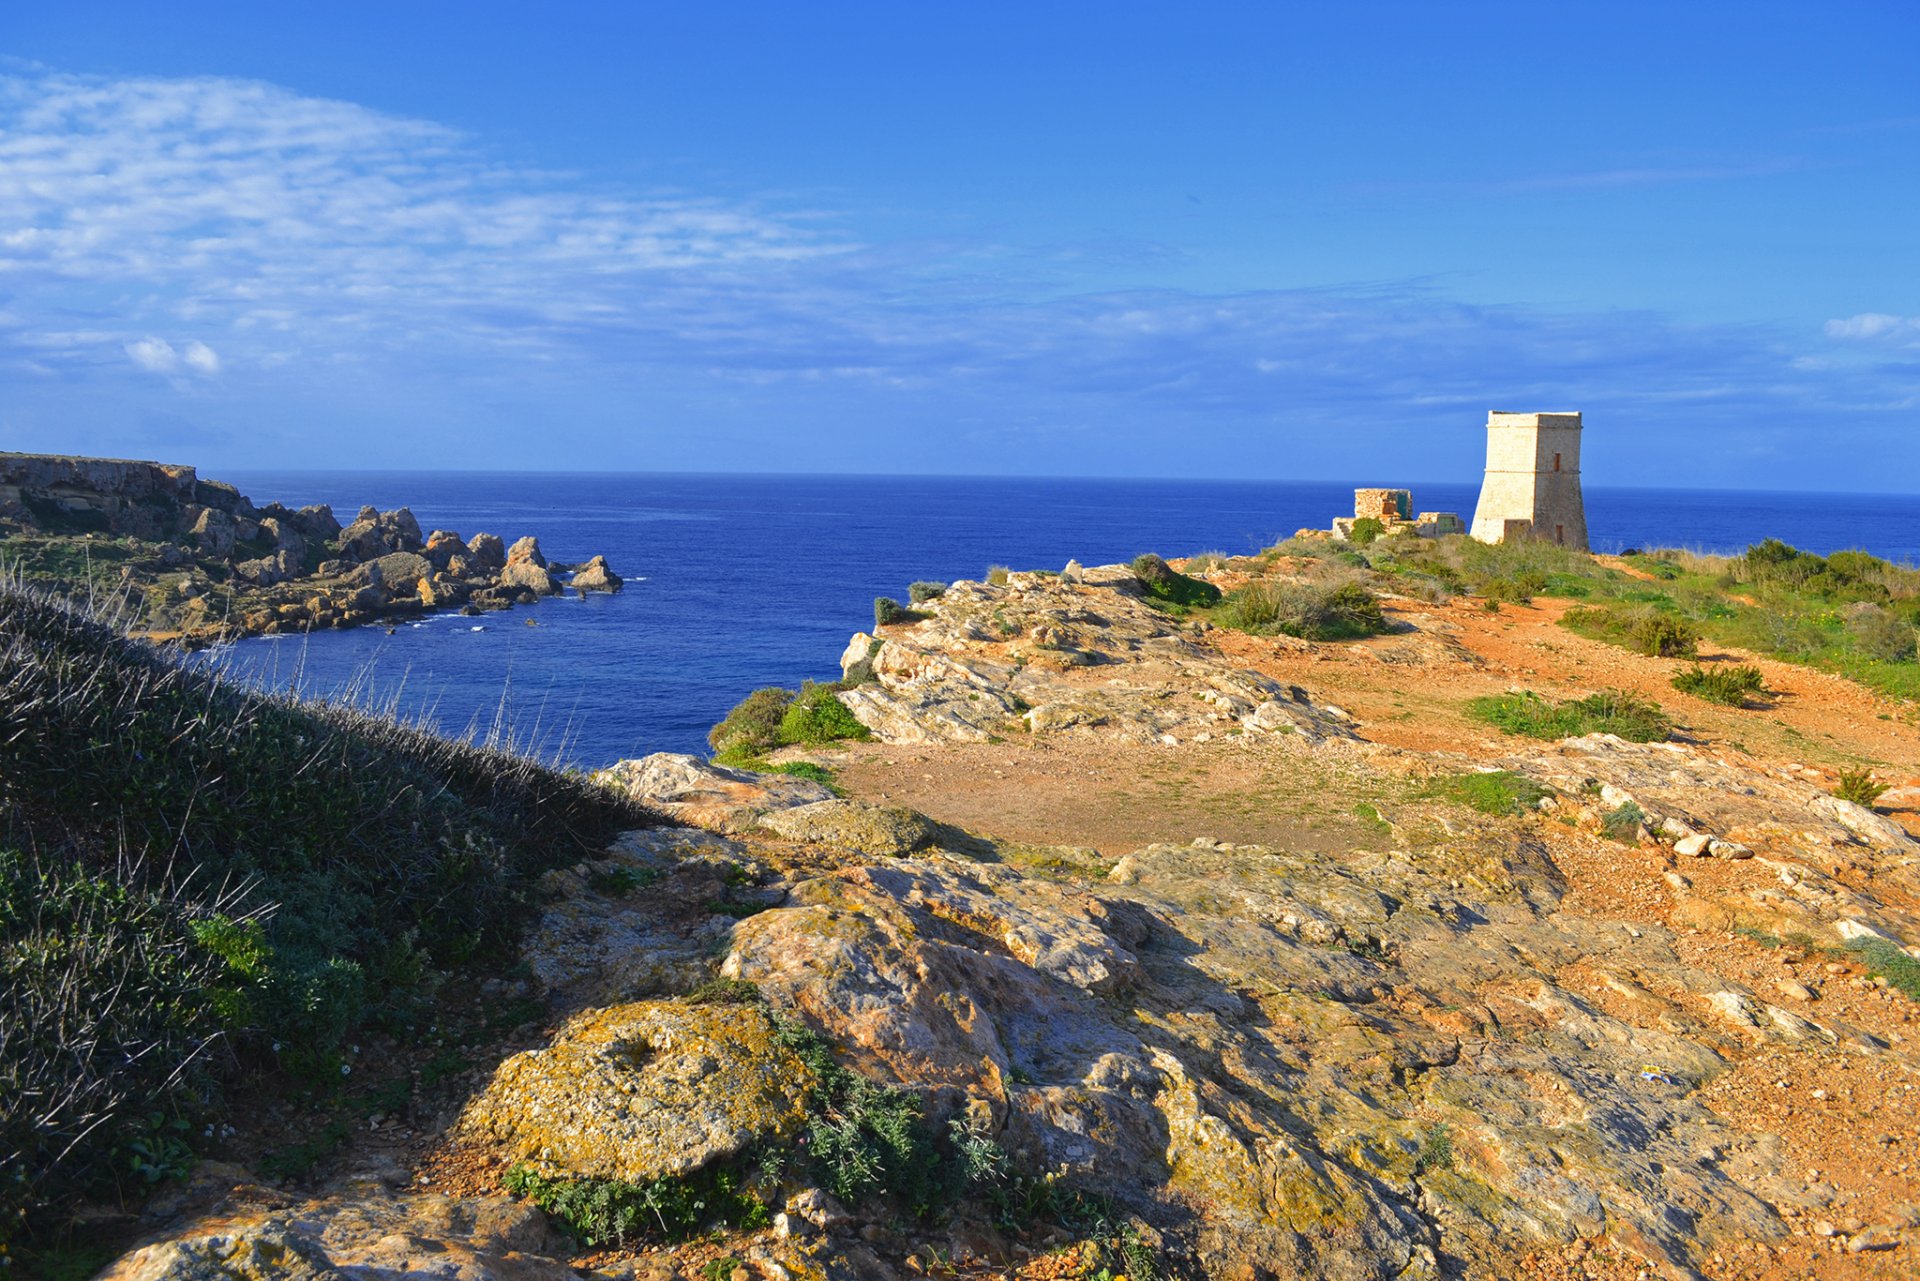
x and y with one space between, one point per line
1730 686
1860 787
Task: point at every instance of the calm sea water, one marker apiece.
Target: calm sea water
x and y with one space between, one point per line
734 582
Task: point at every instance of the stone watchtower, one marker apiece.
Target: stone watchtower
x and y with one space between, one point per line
1532 488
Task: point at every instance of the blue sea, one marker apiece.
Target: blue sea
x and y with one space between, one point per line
735 582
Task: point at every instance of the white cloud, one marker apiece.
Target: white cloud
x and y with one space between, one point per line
202 358
155 355
236 205
1871 326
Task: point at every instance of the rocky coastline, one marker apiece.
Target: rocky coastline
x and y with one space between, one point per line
1420 1037
196 561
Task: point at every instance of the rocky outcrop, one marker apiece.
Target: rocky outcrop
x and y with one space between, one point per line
701 794
595 576
1045 655
356 1237
212 565
644 1091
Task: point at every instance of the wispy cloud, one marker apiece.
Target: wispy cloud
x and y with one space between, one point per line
315 224
1876 327
187 259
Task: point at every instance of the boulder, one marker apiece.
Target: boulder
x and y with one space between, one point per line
399 572
370 1234
213 530
402 531
487 551
363 540
701 794
595 576
442 546
526 551
526 569
644 1091
884 830
316 521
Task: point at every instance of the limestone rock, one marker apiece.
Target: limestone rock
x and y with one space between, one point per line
487 551
699 793
595 576
362 1237
441 547
882 830
642 1091
526 569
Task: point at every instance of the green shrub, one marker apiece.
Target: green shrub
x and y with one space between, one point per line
1436 1150
603 1212
922 592
1727 685
862 671
752 728
1663 636
1493 792
1623 823
1162 582
1365 530
816 716
1643 628
1860 787
1881 634
1345 611
1610 712
997 575
864 1139
887 611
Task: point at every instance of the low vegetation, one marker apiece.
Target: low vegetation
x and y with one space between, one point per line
1164 584
769 719
1491 792
1859 786
1609 712
198 882
1312 611
1731 686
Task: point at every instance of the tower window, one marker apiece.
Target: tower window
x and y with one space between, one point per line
1559 531
1556 462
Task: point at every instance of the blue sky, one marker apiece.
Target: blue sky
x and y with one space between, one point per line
1275 240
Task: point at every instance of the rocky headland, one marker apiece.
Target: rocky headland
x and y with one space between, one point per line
1215 954
198 561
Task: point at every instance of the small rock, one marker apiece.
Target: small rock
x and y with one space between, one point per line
1694 846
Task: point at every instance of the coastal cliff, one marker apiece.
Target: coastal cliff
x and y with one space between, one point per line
197 560
1097 925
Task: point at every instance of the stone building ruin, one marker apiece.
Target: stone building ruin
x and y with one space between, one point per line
1393 508
1532 485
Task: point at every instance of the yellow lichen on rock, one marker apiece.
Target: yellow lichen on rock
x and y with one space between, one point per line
642 1091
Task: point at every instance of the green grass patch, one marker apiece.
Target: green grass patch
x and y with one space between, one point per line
1623 823
1614 712
1493 792
1887 960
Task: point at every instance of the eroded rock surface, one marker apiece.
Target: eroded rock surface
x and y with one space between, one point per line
1045 654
